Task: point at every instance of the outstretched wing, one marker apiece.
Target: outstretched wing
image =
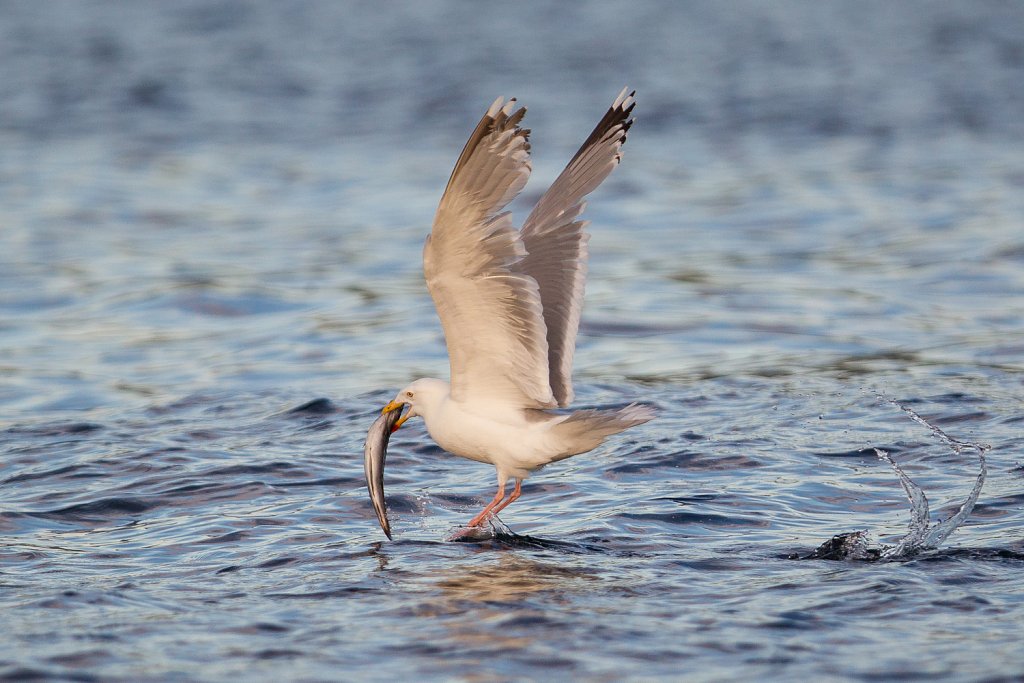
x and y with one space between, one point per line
556 241
490 310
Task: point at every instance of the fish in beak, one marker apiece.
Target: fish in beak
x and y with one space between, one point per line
374 453
396 406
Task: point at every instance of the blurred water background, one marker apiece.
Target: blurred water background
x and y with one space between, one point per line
211 216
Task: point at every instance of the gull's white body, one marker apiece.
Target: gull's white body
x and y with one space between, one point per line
503 438
485 432
515 441
510 300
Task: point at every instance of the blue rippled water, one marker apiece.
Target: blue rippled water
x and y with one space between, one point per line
211 216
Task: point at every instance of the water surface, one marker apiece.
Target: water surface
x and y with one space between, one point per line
211 217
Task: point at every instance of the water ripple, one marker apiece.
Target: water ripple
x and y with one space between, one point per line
210 282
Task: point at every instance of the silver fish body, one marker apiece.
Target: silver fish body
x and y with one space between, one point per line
374 452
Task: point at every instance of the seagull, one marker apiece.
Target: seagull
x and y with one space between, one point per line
509 302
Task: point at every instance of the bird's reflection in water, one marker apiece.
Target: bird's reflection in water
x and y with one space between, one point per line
491 606
509 579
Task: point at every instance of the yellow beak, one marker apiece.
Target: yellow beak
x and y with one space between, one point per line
395 405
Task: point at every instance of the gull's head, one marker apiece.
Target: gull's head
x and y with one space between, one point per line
422 396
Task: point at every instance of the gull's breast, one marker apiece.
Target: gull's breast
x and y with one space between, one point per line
499 438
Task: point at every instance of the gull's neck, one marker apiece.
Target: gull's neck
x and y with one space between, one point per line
433 394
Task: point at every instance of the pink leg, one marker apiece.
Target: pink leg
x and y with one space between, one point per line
516 492
486 512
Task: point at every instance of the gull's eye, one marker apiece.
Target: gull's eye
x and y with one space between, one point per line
408 394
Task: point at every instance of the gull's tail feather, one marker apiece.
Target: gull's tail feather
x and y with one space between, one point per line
585 430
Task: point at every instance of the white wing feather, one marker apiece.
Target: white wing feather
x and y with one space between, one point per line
556 242
490 311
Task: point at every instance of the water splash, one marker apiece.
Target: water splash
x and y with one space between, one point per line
919 515
494 530
497 534
922 534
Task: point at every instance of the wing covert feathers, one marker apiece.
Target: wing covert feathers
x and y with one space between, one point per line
510 301
556 241
490 311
